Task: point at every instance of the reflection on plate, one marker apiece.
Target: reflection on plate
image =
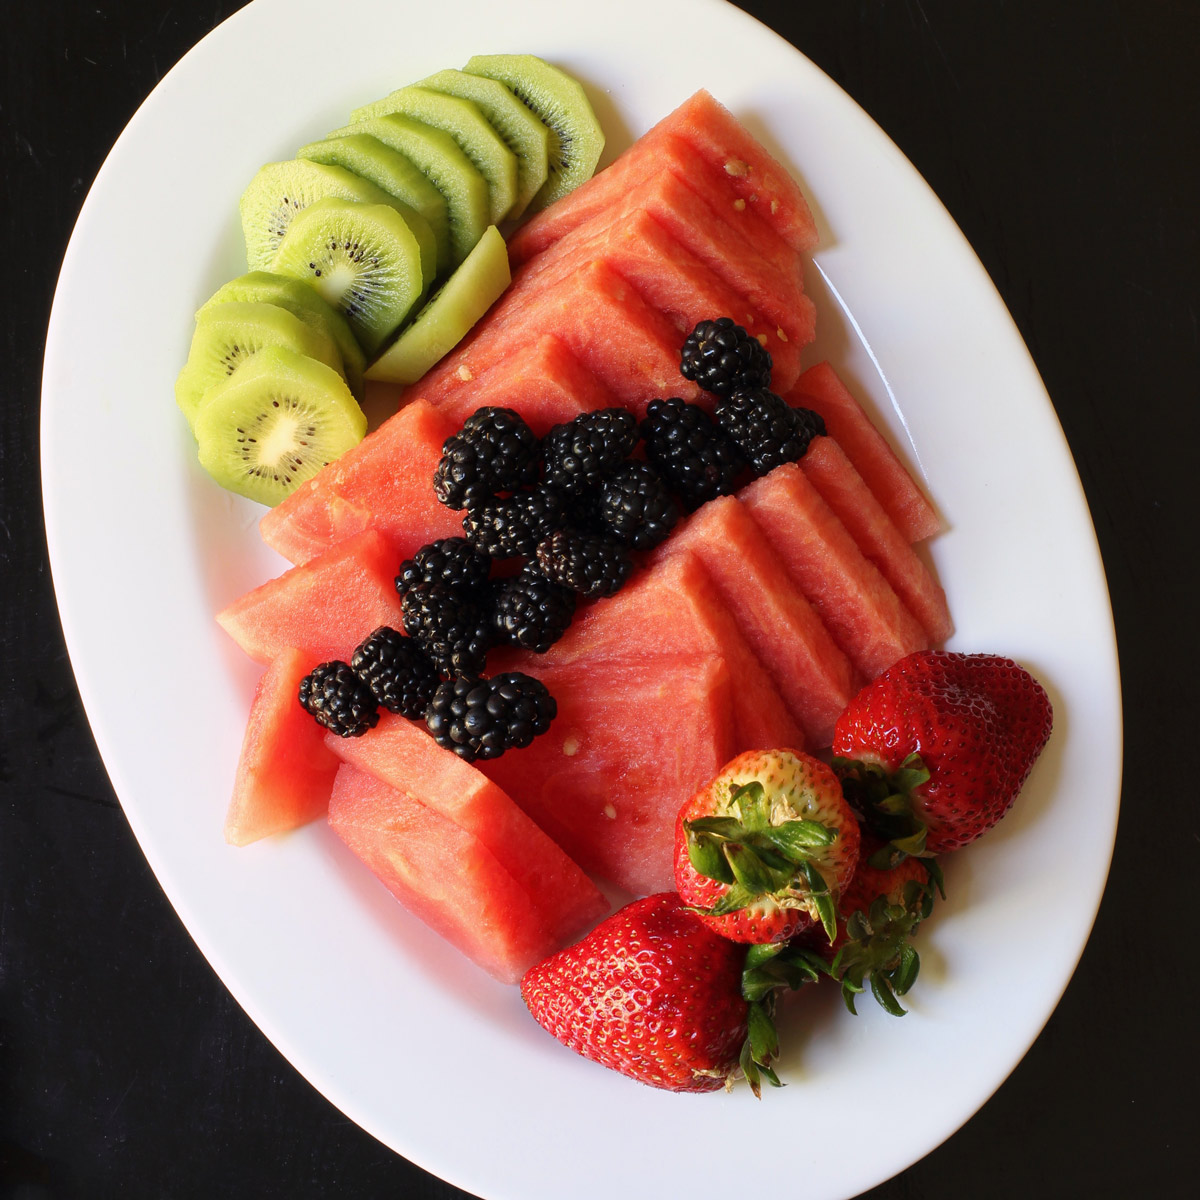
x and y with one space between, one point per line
144 548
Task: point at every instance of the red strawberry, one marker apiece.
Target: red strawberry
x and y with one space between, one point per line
935 750
653 993
766 848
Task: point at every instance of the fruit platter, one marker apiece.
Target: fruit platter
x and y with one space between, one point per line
159 570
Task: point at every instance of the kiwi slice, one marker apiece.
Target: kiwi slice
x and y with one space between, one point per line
448 316
388 169
522 132
282 189
301 301
229 335
576 139
275 423
437 155
467 125
364 259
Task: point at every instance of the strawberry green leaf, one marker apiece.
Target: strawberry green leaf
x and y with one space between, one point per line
882 991
822 898
707 859
905 974
797 838
751 872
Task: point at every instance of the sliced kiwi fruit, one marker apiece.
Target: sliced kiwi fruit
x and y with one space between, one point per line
437 155
301 301
448 315
576 139
523 133
364 259
282 189
275 423
388 169
467 125
229 335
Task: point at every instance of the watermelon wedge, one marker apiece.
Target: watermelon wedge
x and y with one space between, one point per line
441 873
404 756
631 743
671 609
820 389
867 619
285 772
384 483
723 149
670 278
324 607
543 381
831 472
812 675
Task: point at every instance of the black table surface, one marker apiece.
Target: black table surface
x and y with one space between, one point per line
1062 138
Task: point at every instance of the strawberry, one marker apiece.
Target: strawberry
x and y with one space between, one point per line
934 751
653 993
765 849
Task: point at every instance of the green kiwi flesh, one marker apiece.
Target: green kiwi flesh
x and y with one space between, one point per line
275 423
523 133
301 301
576 139
282 189
388 169
230 335
438 156
449 314
362 258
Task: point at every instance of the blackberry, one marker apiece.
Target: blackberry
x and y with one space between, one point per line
530 611
590 565
482 718
695 459
451 561
495 451
397 671
722 358
452 629
636 506
812 421
586 450
513 527
764 427
339 700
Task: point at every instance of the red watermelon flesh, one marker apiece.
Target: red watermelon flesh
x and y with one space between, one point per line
672 609
858 606
543 381
285 772
813 676
723 148
441 873
831 472
670 278
820 389
405 757
324 607
762 269
384 483
633 740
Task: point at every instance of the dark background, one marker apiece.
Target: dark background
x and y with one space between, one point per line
1062 137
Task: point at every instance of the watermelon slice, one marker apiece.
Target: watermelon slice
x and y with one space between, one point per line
670 278
543 381
405 757
820 389
631 743
441 873
324 608
813 676
285 772
671 609
750 257
831 472
858 606
384 483
723 149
